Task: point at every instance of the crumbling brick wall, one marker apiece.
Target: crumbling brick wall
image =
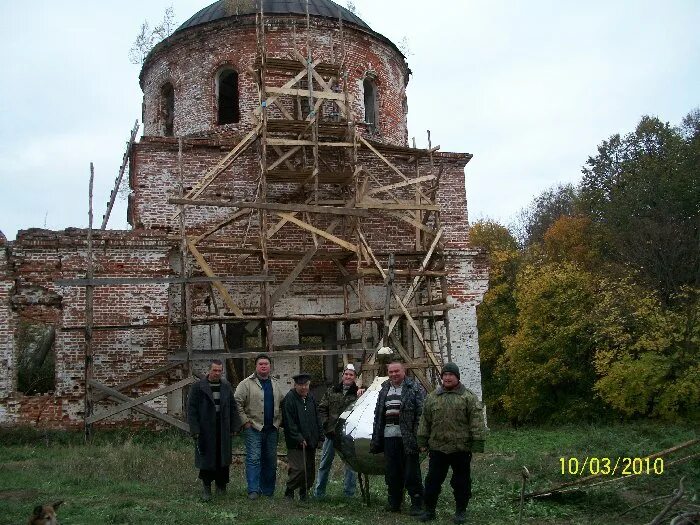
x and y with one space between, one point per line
190 59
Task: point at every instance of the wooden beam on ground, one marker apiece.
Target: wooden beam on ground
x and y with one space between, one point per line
107 392
586 479
139 401
273 206
217 283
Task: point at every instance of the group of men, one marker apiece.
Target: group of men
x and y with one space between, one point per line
448 424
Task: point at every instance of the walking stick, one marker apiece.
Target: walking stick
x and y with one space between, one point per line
306 477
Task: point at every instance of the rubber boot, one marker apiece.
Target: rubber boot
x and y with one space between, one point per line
460 516
206 491
428 515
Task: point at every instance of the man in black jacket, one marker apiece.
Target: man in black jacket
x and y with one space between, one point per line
396 419
302 434
213 418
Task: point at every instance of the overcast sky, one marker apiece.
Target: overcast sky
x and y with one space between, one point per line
529 88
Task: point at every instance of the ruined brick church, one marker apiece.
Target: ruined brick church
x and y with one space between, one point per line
275 205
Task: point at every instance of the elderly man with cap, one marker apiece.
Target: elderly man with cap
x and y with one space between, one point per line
451 428
335 401
302 433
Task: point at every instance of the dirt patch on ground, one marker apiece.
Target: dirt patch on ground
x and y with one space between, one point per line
15 495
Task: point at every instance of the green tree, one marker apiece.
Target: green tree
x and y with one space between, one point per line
496 315
549 359
643 191
543 211
647 356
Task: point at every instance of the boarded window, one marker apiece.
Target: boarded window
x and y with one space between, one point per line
167 102
370 89
245 337
36 368
227 97
318 335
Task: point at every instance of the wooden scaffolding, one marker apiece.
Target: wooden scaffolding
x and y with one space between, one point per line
305 137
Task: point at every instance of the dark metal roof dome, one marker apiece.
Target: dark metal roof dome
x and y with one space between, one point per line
227 8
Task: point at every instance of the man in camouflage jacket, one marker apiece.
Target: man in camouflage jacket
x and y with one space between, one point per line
335 401
451 428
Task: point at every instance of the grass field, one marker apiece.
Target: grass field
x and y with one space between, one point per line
149 478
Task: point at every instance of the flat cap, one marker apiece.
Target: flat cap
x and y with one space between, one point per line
301 378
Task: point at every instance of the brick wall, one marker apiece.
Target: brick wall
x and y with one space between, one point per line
190 60
7 359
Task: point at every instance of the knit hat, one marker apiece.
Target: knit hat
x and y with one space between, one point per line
451 368
350 367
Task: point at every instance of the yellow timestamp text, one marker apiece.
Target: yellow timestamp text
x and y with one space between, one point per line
604 466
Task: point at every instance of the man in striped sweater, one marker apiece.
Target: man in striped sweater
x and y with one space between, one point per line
213 418
396 418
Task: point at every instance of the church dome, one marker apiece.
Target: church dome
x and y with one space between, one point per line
229 8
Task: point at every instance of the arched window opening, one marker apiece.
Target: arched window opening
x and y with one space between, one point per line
227 97
370 89
167 95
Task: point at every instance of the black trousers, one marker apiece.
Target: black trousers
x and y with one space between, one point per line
299 476
402 471
221 475
461 480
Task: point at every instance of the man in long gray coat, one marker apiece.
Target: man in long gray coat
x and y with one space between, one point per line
213 418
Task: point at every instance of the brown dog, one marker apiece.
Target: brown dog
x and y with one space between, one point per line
44 515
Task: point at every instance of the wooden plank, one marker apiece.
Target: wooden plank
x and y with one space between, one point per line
111 393
283 156
420 374
310 254
128 281
409 318
414 286
288 84
383 205
139 401
178 357
221 224
217 283
363 272
387 162
410 220
397 185
224 163
138 379
306 226
117 182
326 95
273 206
299 142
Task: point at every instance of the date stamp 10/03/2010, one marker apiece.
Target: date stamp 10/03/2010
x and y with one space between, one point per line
604 466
